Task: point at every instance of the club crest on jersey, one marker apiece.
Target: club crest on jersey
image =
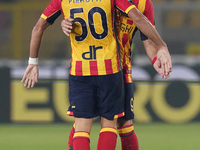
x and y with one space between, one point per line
92 53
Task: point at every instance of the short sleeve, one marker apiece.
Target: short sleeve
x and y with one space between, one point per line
52 11
124 5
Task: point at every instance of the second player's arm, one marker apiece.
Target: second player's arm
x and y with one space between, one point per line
145 26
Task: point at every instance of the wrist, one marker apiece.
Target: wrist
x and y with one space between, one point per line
33 61
154 60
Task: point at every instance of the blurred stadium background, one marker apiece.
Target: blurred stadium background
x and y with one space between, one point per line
167 111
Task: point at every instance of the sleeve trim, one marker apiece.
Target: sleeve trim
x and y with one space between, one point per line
43 16
129 8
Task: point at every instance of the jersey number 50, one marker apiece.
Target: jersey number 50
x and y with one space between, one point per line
91 24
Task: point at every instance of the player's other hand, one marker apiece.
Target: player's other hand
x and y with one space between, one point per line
30 76
66 25
157 67
163 64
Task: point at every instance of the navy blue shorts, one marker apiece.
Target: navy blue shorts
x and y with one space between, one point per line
128 102
92 96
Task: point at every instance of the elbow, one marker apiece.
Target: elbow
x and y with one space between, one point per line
40 26
37 29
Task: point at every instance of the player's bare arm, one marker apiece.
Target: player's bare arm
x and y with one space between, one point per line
31 74
147 28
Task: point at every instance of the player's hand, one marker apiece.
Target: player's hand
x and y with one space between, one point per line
30 76
157 67
66 25
164 63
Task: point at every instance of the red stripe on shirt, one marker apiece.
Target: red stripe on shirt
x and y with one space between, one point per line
71 62
124 42
118 63
78 68
125 73
125 67
125 39
129 22
93 68
108 65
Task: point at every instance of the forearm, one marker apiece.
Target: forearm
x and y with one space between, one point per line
150 48
35 43
146 27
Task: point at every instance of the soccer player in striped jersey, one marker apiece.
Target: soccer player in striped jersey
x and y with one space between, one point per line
126 30
95 65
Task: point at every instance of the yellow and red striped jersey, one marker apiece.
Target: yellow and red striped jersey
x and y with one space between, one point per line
126 30
94 48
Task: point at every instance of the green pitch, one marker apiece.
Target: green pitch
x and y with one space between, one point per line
156 136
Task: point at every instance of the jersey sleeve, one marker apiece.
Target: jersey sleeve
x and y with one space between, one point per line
124 5
52 11
149 13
